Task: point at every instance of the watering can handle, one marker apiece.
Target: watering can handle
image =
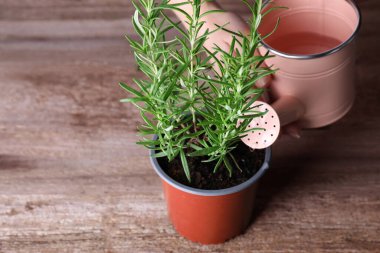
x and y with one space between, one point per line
289 109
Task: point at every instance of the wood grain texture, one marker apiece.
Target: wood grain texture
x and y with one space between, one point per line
72 179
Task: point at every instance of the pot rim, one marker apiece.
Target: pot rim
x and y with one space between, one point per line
201 192
325 53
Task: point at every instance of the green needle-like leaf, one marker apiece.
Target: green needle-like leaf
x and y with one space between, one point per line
130 90
203 152
185 164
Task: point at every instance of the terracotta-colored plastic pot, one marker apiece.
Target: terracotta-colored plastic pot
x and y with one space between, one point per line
315 53
210 216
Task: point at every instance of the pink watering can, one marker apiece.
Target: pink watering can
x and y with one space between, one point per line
314 49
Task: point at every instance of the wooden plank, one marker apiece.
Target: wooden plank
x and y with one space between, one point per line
72 179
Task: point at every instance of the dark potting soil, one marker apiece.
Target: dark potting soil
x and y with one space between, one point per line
202 175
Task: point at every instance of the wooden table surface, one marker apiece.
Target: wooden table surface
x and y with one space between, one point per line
72 179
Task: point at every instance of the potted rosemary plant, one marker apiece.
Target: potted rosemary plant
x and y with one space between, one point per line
198 103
